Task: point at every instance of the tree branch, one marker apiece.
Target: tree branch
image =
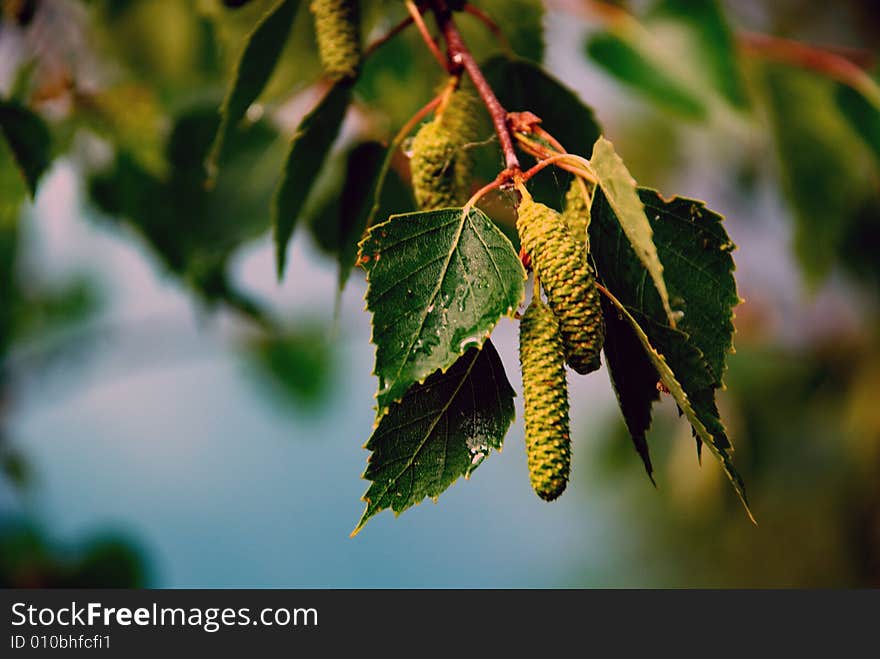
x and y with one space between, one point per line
461 57
831 64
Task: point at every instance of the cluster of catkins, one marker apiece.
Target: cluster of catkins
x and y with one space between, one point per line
568 329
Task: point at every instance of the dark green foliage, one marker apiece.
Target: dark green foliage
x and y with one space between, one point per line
521 85
441 430
253 69
298 362
521 21
438 283
634 379
825 170
308 150
698 270
28 559
863 113
193 229
715 48
621 58
28 137
356 202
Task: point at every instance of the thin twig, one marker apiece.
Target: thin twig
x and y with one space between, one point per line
460 56
846 65
539 151
500 180
821 60
585 171
493 27
552 141
388 36
416 15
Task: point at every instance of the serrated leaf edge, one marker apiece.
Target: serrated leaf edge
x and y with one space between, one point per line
365 517
657 279
668 378
381 411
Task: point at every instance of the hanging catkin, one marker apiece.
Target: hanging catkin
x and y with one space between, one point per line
441 166
568 280
576 213
337 29
545 394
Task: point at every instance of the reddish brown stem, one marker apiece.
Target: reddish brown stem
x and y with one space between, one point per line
552 141
493 27
559 160
388 36
501 179
822 60
416 15
846 65
461 57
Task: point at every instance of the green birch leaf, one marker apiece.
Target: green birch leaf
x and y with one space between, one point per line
28 139
364 167
696 253
826 172
625 57
308 150
621 194
521 21
441 430
13 187
710 37
633 377
861 107
668 377
252 71
438 282
13 193
192 229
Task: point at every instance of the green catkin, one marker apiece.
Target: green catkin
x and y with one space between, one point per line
337 29
561 264
576 213
441 166
545 395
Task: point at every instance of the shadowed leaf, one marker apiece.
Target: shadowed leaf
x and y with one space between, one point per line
522 85
826 172
862 110
253 69
441 430
28 138
690 360
633 377
713 42
308 150
521 21
623 58
679 393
